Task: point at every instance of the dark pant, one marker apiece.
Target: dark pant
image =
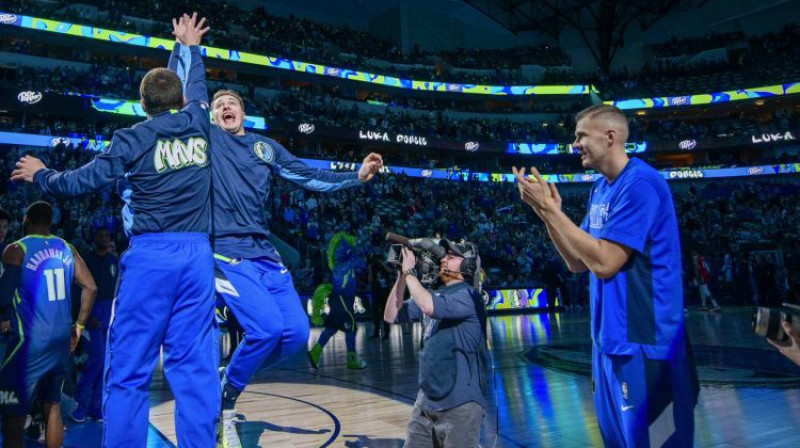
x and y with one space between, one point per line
89 391
459 427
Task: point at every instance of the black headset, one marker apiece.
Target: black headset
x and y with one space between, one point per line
469 266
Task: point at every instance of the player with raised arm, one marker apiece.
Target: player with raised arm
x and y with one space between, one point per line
165 295
254 283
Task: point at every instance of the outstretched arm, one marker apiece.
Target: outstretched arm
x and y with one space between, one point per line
295 170
106 167
186 59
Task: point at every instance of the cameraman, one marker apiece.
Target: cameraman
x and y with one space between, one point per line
450 405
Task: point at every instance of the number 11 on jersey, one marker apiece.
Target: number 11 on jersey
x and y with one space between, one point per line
56 289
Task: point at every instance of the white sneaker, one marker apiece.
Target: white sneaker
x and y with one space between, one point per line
227 437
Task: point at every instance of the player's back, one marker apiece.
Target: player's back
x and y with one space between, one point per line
168 172
42 305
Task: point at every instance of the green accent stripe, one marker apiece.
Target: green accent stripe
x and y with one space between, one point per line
223 258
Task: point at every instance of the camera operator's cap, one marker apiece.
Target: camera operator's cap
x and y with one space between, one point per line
463 250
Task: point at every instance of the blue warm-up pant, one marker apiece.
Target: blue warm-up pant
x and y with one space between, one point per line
261 295
643 402
165 296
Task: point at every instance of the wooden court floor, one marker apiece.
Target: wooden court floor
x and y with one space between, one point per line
539 392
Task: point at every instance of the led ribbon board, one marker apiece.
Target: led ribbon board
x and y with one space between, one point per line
91 32
561 148
134 108
49 141
708 98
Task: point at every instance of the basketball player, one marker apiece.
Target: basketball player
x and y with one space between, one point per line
255 285
36 284
643 380
167 287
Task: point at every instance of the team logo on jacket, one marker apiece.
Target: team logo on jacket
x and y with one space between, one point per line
176 154
8 397
264 151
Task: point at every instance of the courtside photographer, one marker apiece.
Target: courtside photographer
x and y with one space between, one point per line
450 404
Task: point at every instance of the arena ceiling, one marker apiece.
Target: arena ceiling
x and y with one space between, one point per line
601 23
551 16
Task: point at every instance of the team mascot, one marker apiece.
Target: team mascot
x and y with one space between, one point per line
335 305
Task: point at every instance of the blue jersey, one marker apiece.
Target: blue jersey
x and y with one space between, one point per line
641 307
242 171
165 161
42 319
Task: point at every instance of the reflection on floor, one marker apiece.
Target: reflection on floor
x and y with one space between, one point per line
539 391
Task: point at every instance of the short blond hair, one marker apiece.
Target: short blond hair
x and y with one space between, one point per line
613 115
224 92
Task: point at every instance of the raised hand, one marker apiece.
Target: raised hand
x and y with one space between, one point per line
409 259
188 31
537 193
370 166
26 168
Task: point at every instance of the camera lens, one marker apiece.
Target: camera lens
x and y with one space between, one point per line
767 323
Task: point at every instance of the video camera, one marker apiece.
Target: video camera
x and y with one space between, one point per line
427 250
429 253
767 321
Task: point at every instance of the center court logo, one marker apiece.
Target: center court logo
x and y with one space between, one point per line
264 151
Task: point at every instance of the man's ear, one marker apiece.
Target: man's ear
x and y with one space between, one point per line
611 137
141 102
